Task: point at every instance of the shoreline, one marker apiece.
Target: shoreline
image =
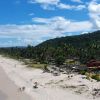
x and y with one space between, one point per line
49 87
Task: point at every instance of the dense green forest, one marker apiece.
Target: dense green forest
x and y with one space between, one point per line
85 47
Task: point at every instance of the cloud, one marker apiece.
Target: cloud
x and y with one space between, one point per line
27 34
79 26
53 20
71 7
64 25
45 28
65 6
45 2
78 1
52 4
94 13
81 7
31 14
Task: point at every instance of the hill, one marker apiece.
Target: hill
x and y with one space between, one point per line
84 47
76 41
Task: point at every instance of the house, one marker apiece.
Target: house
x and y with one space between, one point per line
93 64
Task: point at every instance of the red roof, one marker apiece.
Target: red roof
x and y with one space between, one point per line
93 63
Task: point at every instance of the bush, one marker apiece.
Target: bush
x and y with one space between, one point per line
83 72
96 77
59 60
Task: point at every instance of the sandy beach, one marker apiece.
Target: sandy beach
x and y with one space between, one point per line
8 90
2 96
50 87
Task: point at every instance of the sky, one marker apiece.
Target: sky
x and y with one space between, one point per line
30 22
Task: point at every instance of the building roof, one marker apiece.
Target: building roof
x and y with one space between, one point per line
93 63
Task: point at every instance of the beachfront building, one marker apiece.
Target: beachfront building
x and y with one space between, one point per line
94 65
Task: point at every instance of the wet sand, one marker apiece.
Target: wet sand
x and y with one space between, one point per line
8 90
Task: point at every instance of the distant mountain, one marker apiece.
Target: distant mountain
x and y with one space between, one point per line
84 46
76 41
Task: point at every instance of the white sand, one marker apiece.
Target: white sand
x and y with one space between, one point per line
50 87
8 90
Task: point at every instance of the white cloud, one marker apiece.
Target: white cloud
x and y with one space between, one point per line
94 13
80 26
62 25
31 14
84 32
79 1
65 6
43 29
52 4
80 7
51 20
27 34
46 4
71 7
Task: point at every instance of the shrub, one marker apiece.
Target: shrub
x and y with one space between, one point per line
83 72
96 77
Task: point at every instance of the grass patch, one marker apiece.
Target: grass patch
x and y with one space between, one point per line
40 66
96 77
33 64
93 76
83 72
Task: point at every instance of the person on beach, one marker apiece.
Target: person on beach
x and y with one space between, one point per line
35 85
22 88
